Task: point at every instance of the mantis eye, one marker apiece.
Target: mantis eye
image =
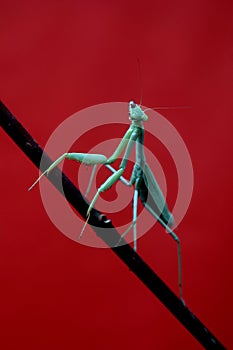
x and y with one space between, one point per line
132 104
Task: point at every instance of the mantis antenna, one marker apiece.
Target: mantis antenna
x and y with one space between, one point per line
140 79
154 108
164 107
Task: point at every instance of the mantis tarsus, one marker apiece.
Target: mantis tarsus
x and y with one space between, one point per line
145 185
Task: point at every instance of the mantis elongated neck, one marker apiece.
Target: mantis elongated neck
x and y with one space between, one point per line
137 123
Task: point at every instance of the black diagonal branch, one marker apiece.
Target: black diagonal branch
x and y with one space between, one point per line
98 221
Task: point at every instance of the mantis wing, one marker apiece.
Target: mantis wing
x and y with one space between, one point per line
151 194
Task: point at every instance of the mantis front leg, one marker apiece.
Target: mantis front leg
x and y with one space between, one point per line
129 139
132 134
85 158
105 186
112 158
89 159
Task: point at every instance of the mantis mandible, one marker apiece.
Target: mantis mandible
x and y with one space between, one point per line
145 186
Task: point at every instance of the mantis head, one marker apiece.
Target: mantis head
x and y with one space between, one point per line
136 113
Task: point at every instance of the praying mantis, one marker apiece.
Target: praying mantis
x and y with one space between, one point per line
145 185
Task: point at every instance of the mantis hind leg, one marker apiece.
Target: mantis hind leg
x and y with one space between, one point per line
52 166
105 186
176 239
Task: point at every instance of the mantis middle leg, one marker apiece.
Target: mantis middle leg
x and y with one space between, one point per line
117 174
89 159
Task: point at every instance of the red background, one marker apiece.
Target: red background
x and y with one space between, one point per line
58 57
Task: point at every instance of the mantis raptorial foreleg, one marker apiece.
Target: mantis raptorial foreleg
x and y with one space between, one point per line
105 186
113 157
128 142
88 159
122 179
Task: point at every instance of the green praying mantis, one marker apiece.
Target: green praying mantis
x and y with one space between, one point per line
145 186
